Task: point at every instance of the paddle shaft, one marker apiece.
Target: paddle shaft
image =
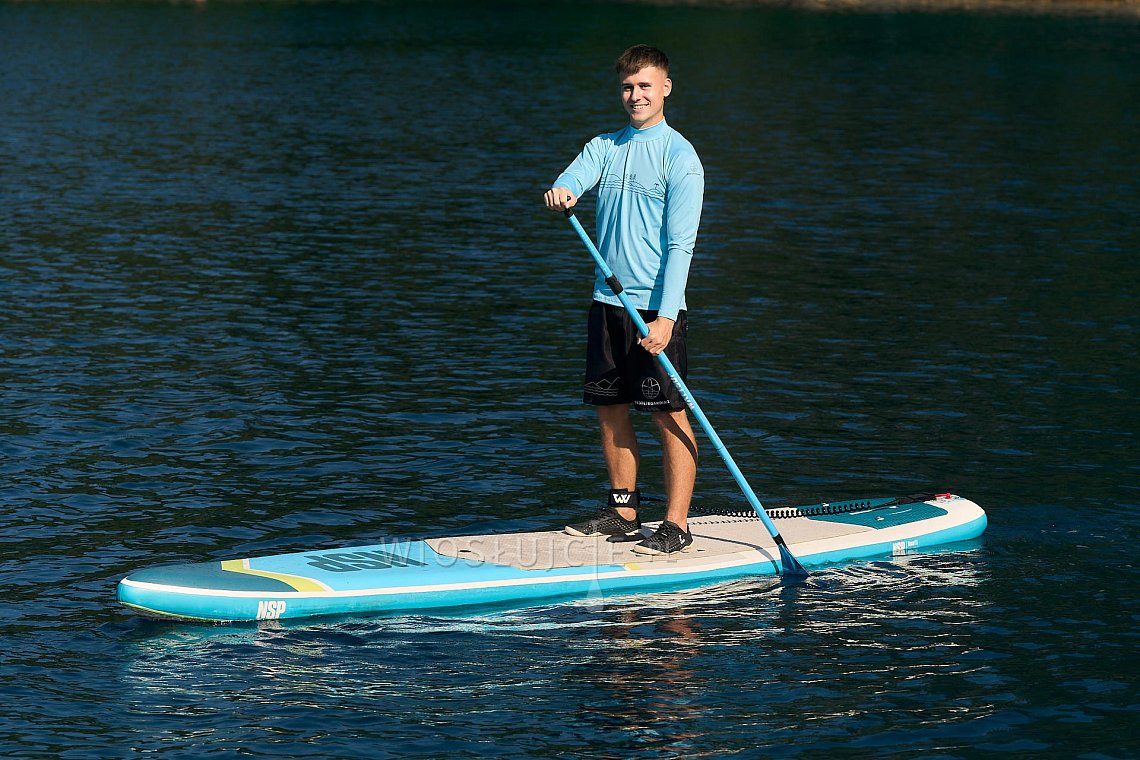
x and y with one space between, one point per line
789 564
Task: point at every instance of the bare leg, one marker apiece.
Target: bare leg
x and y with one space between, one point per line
679 454
619 447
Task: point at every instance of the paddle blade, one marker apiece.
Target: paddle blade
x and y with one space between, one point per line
789 565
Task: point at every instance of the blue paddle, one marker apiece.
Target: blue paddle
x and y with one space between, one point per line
789 565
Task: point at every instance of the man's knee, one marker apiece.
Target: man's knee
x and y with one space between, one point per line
671 419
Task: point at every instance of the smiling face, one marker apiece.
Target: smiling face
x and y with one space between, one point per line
643 96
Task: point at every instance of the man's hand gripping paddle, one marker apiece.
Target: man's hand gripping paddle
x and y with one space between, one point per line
789 565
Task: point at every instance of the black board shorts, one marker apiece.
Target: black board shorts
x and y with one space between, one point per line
619 371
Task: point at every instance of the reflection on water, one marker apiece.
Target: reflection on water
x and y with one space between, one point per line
652 672
924 649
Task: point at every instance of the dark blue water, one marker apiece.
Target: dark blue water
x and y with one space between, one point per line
277 276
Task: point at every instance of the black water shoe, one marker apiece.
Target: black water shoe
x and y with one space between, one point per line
667 539
607 522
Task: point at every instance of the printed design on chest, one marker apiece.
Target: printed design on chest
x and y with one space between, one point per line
630 183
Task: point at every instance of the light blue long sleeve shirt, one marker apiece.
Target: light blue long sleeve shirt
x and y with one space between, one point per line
651 187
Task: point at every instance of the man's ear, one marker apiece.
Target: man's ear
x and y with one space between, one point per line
668 86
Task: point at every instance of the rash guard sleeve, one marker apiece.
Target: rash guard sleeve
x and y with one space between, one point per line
585 170
682 217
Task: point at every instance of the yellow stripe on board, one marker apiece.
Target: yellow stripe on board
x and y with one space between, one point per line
298 582
166 615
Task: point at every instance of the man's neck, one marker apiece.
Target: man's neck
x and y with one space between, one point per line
659 119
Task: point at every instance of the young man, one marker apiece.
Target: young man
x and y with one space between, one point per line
650 191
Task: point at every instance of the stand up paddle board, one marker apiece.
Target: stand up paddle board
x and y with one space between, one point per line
519 567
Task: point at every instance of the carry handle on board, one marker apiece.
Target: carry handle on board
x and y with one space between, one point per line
789 565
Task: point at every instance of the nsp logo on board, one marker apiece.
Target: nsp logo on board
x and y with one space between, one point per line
270 609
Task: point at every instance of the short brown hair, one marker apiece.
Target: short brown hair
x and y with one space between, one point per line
638 57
